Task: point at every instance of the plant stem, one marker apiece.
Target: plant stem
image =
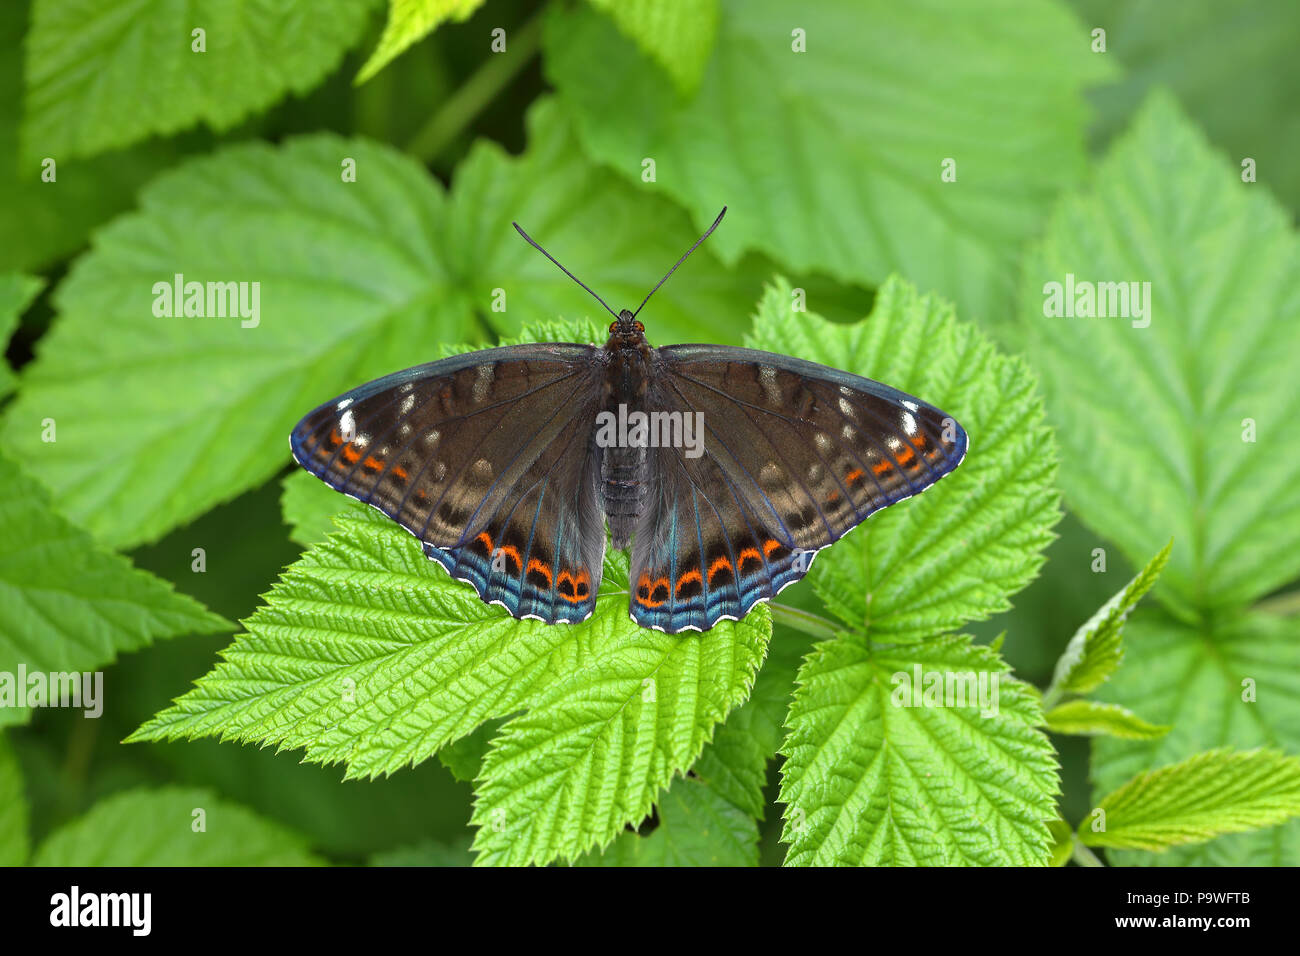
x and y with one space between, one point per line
1283 604
477 92
1084 856
801 620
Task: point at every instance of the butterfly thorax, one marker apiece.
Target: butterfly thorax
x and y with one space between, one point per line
624 466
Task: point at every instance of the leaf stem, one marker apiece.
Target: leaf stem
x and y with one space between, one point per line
1283 605
473 96
1084 856
802 620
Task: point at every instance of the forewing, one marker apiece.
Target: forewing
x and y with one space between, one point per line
485 458
795 456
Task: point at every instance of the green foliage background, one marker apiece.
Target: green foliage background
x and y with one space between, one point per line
770 741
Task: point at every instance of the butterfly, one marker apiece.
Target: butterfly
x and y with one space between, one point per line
725 470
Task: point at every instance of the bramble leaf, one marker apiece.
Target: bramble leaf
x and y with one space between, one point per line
1088 718
734 765
69 604
697 827
409 22
368 654
678 35
1232 67
1203 395
877 773
101 76
1204 796
1236 686
162 828
1097 647
838 164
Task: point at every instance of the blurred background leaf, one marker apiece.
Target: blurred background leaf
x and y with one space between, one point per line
100 76
1204 395
409 21
68 604
161 828
1232 66
836 166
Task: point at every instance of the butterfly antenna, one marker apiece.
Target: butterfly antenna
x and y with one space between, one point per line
681 260
534 244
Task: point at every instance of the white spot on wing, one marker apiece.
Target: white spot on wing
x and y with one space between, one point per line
767 378
483 382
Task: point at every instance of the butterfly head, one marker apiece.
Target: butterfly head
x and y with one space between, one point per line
626 326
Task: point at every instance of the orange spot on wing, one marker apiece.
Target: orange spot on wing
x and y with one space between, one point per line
646 588
400 472
853 476
770 545
882 467
351 454
335 437
373 463
749 553
905 456
692 575
486 539
580 583
718 565
536 565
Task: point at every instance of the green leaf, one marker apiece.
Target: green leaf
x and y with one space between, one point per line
368 654
678 35
1212 370
68 604
427 853
697 827
1088 718
1062 841
13 808
17 292
1237 686
1097 647
836 166
1232 66
43 221
309 506
1207 795
734 764
464 757
101 76
409 22
159 828
356 280
598 743
958 551
872 778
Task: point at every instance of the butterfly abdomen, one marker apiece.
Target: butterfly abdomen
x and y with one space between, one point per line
623 489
